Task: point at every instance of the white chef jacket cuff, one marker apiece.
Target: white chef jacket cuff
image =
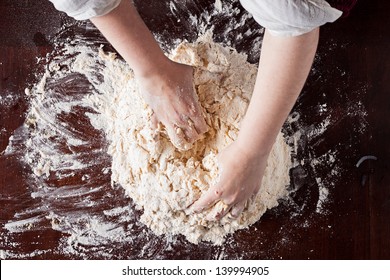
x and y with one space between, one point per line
291 17
85 9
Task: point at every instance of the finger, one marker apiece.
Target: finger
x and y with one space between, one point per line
183 126
222 213
155 126
207 200
195 113
184 129
190 131
154 121
200 124
237 209
176 135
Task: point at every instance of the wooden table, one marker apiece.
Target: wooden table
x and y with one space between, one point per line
350 81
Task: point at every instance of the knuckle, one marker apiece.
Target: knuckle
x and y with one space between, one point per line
230 200
218 192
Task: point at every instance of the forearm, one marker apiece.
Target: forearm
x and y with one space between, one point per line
166 86
125 30
284 65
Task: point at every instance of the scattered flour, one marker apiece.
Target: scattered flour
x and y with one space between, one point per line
72 194
162 180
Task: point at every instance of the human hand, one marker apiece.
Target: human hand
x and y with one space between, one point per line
165 85
240 179
171 95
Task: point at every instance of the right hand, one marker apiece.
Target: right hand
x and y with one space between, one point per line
241 173
171 96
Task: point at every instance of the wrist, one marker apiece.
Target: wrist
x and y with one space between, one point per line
153 68
167 75
248 152
257 135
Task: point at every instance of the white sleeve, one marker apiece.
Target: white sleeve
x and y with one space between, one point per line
85 9
291 17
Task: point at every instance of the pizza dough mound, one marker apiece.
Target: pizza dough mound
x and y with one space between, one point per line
164 181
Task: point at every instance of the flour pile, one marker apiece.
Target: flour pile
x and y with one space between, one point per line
162 180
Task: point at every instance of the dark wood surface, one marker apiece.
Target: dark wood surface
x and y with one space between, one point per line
352 68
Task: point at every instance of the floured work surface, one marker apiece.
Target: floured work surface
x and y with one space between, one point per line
162 180
88 218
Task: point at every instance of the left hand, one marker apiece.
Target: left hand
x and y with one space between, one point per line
171 95
240 179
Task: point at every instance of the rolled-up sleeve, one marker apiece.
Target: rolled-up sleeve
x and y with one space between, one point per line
291 17
85 9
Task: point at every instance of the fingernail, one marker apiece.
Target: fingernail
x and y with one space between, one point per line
233 216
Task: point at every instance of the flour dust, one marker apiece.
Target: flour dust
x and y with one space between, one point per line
63 146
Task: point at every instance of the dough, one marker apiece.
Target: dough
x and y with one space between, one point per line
164 181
